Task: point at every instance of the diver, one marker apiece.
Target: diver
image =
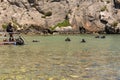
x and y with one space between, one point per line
83 41
67 39
19 41
9 29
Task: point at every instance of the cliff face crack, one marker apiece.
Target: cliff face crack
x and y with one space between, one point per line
14 3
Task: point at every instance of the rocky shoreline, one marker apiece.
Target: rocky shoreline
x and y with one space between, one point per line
108 30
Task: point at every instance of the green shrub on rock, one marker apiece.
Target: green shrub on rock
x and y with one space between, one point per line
108 1
4 26
65 23
49 13
43 16
103 8
115 23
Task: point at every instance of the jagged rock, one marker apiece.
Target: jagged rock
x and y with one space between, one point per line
84 13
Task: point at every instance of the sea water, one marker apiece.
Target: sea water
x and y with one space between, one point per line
54 59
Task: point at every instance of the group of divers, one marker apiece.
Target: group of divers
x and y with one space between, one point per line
83 40
12 39
20 40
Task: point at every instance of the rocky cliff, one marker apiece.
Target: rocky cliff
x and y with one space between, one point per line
77 15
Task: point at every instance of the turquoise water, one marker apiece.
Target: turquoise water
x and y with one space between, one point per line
54 59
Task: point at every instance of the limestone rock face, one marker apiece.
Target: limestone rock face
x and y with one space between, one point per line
92 15
118 1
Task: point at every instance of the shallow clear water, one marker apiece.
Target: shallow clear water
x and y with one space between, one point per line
54 59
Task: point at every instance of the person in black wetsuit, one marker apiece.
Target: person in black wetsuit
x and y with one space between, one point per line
9 29
83 41
19 41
